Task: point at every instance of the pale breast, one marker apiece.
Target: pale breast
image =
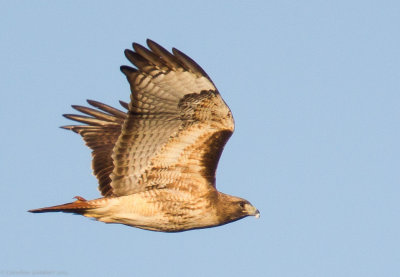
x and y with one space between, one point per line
162 210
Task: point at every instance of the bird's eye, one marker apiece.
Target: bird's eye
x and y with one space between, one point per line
241 204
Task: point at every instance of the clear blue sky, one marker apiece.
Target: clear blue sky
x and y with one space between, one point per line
314 87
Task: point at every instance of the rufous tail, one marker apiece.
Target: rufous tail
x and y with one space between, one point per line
79 207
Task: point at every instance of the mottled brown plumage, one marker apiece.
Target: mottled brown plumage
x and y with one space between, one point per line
156 160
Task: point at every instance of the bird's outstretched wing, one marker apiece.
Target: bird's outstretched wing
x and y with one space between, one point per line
173 133
100 134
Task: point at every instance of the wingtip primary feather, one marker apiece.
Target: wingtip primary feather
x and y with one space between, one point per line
127 70
165 55
108 109
135 58
189 63
150 42
147 54
124 104
69 127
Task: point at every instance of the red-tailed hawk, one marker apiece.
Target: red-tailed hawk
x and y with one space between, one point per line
156 160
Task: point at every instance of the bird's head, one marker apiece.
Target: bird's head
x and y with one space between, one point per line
232 208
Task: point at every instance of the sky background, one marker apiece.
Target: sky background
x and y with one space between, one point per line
314 87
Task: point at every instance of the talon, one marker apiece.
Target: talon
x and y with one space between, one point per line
79 198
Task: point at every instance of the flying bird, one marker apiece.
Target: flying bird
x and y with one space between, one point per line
156 159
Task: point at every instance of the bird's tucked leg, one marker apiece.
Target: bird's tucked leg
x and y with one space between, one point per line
79 198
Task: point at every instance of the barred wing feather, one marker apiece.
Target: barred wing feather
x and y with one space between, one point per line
173 133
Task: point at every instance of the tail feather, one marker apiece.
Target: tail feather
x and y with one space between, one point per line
79 207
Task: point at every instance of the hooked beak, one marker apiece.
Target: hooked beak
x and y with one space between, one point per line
253 211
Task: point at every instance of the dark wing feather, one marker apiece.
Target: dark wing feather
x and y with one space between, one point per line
100 134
